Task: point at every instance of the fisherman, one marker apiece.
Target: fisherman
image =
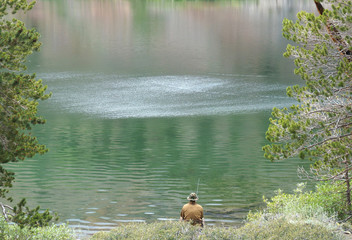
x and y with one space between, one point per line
192 211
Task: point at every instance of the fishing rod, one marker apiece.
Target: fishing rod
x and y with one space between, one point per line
198 186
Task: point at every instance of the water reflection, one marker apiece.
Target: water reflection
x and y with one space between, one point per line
163 37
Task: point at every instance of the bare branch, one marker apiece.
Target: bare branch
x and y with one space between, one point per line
327 140
3 207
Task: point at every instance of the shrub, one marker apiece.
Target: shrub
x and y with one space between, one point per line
15 232
281 228
300 215
165 230
278 228
325 202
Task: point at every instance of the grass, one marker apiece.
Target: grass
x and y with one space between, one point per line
278 228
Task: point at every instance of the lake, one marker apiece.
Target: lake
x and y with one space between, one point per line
153 100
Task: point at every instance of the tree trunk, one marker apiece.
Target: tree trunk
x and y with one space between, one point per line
319 7
335 35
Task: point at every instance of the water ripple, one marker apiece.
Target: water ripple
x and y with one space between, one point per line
163 96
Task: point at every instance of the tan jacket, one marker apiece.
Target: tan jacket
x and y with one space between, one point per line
192 212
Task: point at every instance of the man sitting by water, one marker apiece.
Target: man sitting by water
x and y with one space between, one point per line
192 211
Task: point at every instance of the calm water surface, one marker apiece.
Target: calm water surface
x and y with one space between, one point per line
150 97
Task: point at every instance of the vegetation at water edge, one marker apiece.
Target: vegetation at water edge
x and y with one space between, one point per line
278 228
16 232
300 215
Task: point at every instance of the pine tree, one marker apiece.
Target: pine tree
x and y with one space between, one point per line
19 96
318 128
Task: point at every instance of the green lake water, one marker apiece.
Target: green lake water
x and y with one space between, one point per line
150 97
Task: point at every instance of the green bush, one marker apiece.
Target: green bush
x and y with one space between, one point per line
15 232
326 202
313 213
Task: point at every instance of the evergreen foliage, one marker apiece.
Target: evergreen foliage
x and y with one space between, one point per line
318 128
19 95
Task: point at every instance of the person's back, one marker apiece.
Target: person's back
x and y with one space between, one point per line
192 211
